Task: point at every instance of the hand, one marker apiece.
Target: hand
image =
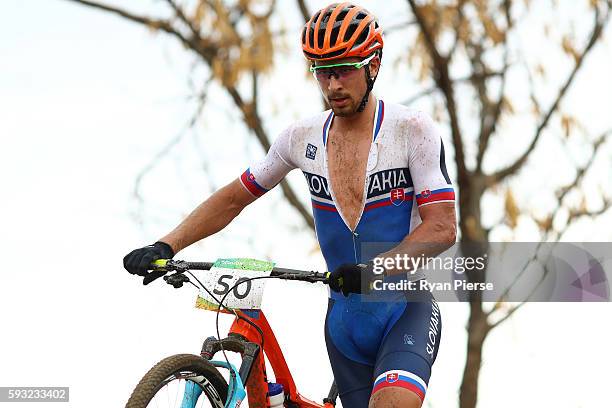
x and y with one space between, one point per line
352 278
139 261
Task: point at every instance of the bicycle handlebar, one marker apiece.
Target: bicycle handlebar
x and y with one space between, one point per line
162 266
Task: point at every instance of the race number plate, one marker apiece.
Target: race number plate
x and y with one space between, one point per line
225 274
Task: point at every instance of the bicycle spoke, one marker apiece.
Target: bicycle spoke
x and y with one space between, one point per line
176 395
178 388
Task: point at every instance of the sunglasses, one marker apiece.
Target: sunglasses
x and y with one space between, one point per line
341 71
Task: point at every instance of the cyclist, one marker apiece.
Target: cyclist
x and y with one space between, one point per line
377 179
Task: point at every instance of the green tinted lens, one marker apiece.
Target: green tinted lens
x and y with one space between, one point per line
323 74
343 70
340 71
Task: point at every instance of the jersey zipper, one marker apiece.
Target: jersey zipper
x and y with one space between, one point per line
355 238
353 232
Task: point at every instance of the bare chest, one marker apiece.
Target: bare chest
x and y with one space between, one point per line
347 157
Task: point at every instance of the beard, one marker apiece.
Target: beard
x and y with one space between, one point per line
348 109
344 112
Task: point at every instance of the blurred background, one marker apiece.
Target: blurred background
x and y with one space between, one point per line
118 118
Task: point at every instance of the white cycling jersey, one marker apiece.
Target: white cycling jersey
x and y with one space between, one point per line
405 169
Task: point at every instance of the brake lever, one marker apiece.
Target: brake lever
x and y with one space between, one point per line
151 276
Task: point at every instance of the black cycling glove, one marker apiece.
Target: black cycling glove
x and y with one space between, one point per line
352 278
139 261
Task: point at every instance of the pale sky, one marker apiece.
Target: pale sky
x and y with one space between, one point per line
86 100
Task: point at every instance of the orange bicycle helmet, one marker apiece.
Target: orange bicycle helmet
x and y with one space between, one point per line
341 30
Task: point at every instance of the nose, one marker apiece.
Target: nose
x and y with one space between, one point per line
334 83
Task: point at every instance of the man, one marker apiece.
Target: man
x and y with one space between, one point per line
377 175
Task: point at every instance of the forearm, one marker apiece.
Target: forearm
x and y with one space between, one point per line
429 239
210 217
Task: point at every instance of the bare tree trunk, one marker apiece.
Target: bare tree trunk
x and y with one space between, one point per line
473 243
477 333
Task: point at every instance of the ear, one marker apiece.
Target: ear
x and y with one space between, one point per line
374 66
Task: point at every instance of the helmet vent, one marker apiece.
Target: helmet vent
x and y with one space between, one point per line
314 19
342 14
324 22
362 37
320 37
311 37
349 32
334 35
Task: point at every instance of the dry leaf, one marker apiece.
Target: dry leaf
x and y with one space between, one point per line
545 224
568 48
568 123
512 210
507 106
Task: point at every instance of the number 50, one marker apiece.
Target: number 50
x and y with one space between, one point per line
225 287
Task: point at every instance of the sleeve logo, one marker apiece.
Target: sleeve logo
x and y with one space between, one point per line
311 151
391 377
425 193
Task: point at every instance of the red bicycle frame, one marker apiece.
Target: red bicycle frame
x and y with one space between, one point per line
256 385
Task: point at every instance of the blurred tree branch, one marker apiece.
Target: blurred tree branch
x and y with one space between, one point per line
479 30
172 143
547 225
600 21
433 89
214 50
442 79
304 10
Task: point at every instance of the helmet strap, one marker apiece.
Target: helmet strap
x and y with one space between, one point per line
370 86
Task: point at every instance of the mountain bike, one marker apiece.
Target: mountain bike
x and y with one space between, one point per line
233 286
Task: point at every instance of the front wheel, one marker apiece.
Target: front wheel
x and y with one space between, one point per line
180 381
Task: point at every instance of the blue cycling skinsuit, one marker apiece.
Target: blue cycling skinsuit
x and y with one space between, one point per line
383 339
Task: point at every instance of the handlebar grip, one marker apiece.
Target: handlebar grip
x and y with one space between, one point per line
160 263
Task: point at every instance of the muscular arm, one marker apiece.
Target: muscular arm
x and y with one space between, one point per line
435 196
214 214
436 233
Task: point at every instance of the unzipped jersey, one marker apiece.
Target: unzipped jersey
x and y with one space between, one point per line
405 170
